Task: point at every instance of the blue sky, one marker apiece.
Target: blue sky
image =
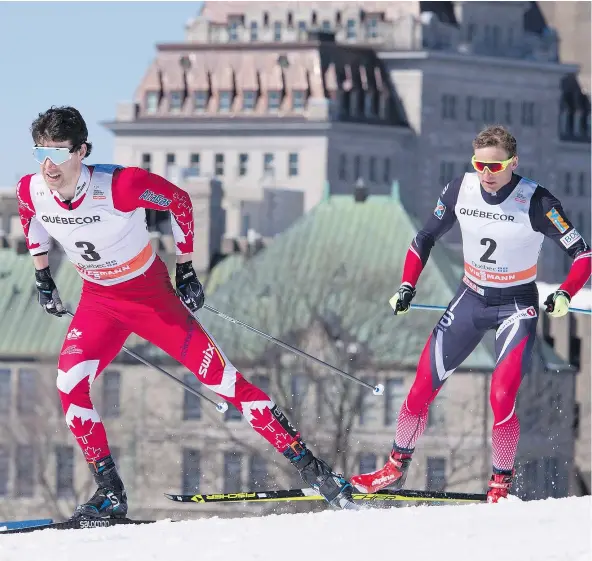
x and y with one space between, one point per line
91 55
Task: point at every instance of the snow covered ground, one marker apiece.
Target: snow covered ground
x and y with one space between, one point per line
550 530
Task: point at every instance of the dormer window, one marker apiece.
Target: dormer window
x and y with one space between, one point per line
200 100
350 29
298 99
225 101
254 31
274 99
233 31
176 101
249 100
152 100
277 31
368 105
372 27
353 103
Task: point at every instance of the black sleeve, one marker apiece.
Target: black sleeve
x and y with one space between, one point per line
440 221
548 217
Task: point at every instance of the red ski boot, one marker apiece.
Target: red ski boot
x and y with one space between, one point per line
393 474
499 486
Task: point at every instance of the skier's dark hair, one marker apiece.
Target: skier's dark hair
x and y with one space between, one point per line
60 124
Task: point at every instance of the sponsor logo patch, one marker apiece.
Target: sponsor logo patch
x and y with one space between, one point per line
68 220
570 238
557 220
153 197
489 215
440 210
72 350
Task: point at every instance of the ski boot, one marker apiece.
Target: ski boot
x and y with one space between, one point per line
335 489
110 499
499 485
393 474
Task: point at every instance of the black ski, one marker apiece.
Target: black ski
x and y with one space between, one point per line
81 524
285 495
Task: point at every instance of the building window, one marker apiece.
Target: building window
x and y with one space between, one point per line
293 164
5 380
194 163
357 168
368 409
471 32
529 478
191 474
191 403
395 396
367 463
383 107
567 182
298 99
448 107
219 165
249 100
176 102
277 31
25 471
496 35
111 388
342 169
372 28
301 29
436 474
257 473
26 391
273 100
436 417
350 29
170 159
64 471
268 164
386 171
243 160
200 100
528 113
353 103
232 472
446 172
146 161
471 102
508 112
372 169
254 31
152 100
326 25
4 473
233 32
299 389
488 110
369 104
581 193
224 101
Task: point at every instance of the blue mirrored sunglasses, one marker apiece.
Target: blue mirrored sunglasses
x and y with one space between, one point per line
57 155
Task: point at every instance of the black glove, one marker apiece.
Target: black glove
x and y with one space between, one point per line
189 289
49 297
401 301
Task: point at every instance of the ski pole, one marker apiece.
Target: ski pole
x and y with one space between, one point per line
376 390
221 407
442 308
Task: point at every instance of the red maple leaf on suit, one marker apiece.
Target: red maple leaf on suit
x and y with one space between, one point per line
262 420
82 429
